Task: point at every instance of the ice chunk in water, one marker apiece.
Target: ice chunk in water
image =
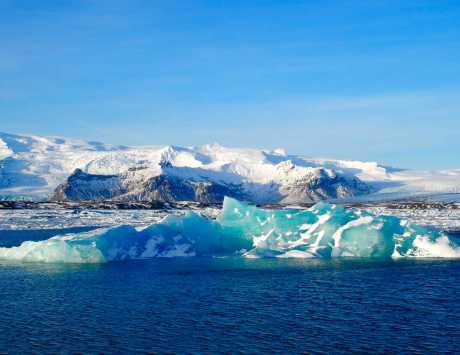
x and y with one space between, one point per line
324 231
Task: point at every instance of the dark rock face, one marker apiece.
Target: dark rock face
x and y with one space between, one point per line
166 188
319 185
211 192
81 186
324 185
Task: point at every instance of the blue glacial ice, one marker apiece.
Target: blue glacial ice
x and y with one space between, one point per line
323 231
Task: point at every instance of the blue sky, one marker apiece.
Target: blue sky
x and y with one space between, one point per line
370 80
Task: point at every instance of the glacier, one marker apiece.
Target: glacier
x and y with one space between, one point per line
322 231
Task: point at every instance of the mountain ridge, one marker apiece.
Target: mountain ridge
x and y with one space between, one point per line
43 167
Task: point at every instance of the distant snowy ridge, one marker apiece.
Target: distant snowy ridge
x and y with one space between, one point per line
5 152
35 167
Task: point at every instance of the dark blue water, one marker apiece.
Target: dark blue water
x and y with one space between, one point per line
197 305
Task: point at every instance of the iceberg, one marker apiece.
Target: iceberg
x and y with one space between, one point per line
323 231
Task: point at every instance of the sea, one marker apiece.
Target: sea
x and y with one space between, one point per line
226 305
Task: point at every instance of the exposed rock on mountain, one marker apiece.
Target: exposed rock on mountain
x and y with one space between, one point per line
81 186
323 184
318 185
173 189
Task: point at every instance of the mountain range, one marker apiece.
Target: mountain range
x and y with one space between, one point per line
51 168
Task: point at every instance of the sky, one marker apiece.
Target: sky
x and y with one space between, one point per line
365 80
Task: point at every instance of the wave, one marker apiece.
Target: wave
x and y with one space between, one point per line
323 231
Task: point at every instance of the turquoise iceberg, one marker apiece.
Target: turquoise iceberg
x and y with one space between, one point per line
323 231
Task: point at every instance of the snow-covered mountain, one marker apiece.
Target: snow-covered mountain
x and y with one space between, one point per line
42 167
